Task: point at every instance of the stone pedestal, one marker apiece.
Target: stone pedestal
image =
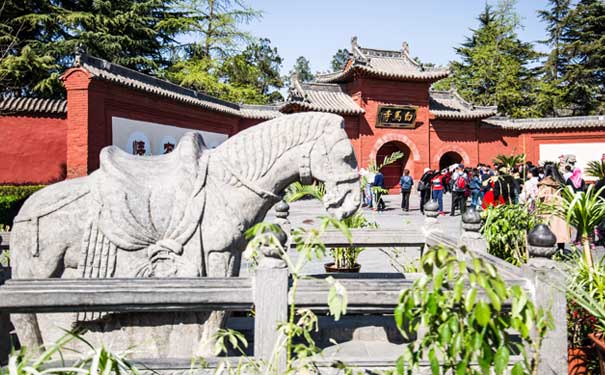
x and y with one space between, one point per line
471 224
549 294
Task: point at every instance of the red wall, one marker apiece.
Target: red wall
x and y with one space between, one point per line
34 149
92 104
369 94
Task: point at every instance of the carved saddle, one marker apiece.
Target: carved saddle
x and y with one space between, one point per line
149 202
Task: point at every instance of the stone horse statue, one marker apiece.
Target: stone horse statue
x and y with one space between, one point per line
182 214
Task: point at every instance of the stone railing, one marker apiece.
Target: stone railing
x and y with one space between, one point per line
268 292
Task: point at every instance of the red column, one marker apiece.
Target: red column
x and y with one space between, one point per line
77 82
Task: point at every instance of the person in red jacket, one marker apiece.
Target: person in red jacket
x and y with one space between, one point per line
437 186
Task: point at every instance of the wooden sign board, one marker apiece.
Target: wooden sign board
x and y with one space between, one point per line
396 116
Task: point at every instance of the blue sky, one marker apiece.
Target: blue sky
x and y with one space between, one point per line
316 29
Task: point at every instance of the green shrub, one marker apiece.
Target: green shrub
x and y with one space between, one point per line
21 191
11 200
505 228
459 304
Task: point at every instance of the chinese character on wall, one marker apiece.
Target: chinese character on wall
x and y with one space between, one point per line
168 147
392 116
138 148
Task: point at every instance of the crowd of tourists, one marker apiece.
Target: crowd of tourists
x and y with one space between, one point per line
485 185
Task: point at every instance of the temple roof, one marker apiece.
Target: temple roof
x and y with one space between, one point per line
105 70
50 107
393 65
450 105
260 112
546 123
323 97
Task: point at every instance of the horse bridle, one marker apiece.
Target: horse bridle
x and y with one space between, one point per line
304 169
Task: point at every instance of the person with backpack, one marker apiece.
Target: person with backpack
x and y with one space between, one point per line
378 203
475 187
459 185
437 189
424 187
406 181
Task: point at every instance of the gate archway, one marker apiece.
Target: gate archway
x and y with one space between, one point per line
393 172
449 158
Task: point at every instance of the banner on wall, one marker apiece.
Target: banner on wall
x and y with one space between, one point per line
584 152
149 138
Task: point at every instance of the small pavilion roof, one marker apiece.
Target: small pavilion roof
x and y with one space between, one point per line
322 97
450 105
385 64
35 106
574 122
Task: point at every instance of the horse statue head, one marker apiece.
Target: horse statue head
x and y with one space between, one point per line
332 161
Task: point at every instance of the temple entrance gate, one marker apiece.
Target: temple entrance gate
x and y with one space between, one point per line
394 171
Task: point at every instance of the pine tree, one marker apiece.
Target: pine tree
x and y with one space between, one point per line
556 19
550 93
495 64
215 26
302 69
257 67
582 61
339 59
45 33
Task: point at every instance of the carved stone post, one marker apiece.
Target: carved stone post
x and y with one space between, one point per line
282 211
5 324
430 214
271 305
546 276
471 238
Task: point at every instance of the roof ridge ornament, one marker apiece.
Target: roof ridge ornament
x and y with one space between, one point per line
79 51
357 53
405 49
296 91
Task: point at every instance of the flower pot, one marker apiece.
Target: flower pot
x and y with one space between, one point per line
597 339
577 360
330 267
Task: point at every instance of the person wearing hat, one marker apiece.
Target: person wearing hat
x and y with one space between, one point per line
424 187
548 193
459 185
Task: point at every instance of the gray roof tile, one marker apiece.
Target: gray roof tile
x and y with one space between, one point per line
322 97
50 107
102 69
575 122
260 112
450 105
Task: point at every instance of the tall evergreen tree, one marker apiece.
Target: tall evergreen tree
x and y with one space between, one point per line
495 64
45 33
582 61
215 26
339 59
550 93
556 19
258 67
302 69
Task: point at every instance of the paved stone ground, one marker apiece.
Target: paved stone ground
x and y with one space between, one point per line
307 213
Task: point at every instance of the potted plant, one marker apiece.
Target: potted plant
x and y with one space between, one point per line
584 211
586 293
580 324
345 258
